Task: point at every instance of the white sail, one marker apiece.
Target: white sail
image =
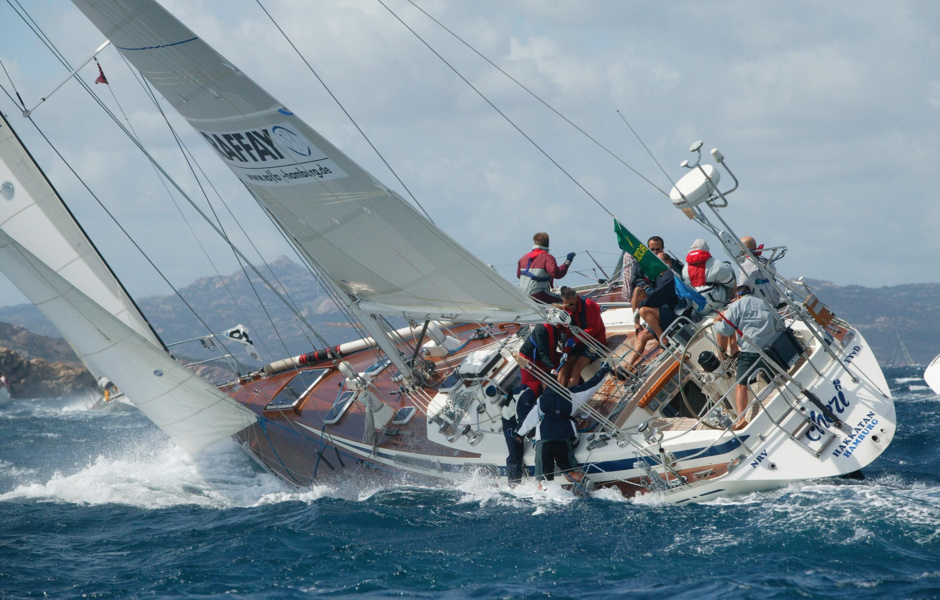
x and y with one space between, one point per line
33 214
932 375
192 412
361 236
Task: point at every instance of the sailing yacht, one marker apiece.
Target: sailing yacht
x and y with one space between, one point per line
425 400
901 357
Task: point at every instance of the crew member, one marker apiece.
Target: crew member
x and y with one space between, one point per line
585 314
537 270
555 430
751 318
751 275
539 352
711 278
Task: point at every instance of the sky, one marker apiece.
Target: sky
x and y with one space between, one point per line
827 113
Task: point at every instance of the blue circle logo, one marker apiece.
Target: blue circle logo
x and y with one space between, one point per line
291 141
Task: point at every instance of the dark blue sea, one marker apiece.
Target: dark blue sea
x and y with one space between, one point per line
99 505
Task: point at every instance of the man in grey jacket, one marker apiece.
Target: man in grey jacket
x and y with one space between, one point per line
751 318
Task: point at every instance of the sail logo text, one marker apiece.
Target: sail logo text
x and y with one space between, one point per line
254 146
275 155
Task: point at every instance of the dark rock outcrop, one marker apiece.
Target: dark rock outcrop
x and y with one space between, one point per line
39 378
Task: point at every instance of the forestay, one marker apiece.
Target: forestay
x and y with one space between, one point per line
33 214
192 412
363 237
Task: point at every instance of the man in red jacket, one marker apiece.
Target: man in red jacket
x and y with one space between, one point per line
585 314
537 270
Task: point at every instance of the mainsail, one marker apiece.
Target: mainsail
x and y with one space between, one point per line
362 237
33 214
191 411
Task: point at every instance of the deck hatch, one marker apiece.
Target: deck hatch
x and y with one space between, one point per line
298 387
339 408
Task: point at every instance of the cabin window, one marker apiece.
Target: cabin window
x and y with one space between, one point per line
339 408
378 366
298 387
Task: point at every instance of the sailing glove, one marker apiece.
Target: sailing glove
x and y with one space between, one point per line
570 257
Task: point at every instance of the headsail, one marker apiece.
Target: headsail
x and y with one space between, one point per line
364 238
192 412
33 214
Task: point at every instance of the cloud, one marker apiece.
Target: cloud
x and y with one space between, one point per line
827 114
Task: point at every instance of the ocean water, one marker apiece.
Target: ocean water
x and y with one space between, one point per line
99 505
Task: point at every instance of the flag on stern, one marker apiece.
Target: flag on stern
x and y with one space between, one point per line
649 262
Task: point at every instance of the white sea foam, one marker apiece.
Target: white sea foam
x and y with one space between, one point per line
12 470
221 477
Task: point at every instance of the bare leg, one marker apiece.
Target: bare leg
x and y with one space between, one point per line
639 347
740 403
574 377
651 316
729 344
564 373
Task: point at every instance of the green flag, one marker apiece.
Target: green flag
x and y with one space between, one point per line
649 262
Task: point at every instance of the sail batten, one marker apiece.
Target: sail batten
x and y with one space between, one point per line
363 238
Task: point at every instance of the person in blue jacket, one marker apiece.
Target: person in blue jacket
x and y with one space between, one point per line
555 430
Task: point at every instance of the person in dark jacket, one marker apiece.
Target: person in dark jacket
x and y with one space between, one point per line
537 270
656 310
555 431
514 412
541 351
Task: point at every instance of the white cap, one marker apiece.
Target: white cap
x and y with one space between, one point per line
700 244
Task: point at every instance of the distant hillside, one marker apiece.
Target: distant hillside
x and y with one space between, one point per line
880 313
224 303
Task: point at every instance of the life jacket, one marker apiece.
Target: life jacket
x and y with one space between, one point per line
536 276
552 350
580 319
530 350
696 260
556 420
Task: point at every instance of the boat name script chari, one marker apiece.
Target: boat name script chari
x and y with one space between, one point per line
256 155
837 403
